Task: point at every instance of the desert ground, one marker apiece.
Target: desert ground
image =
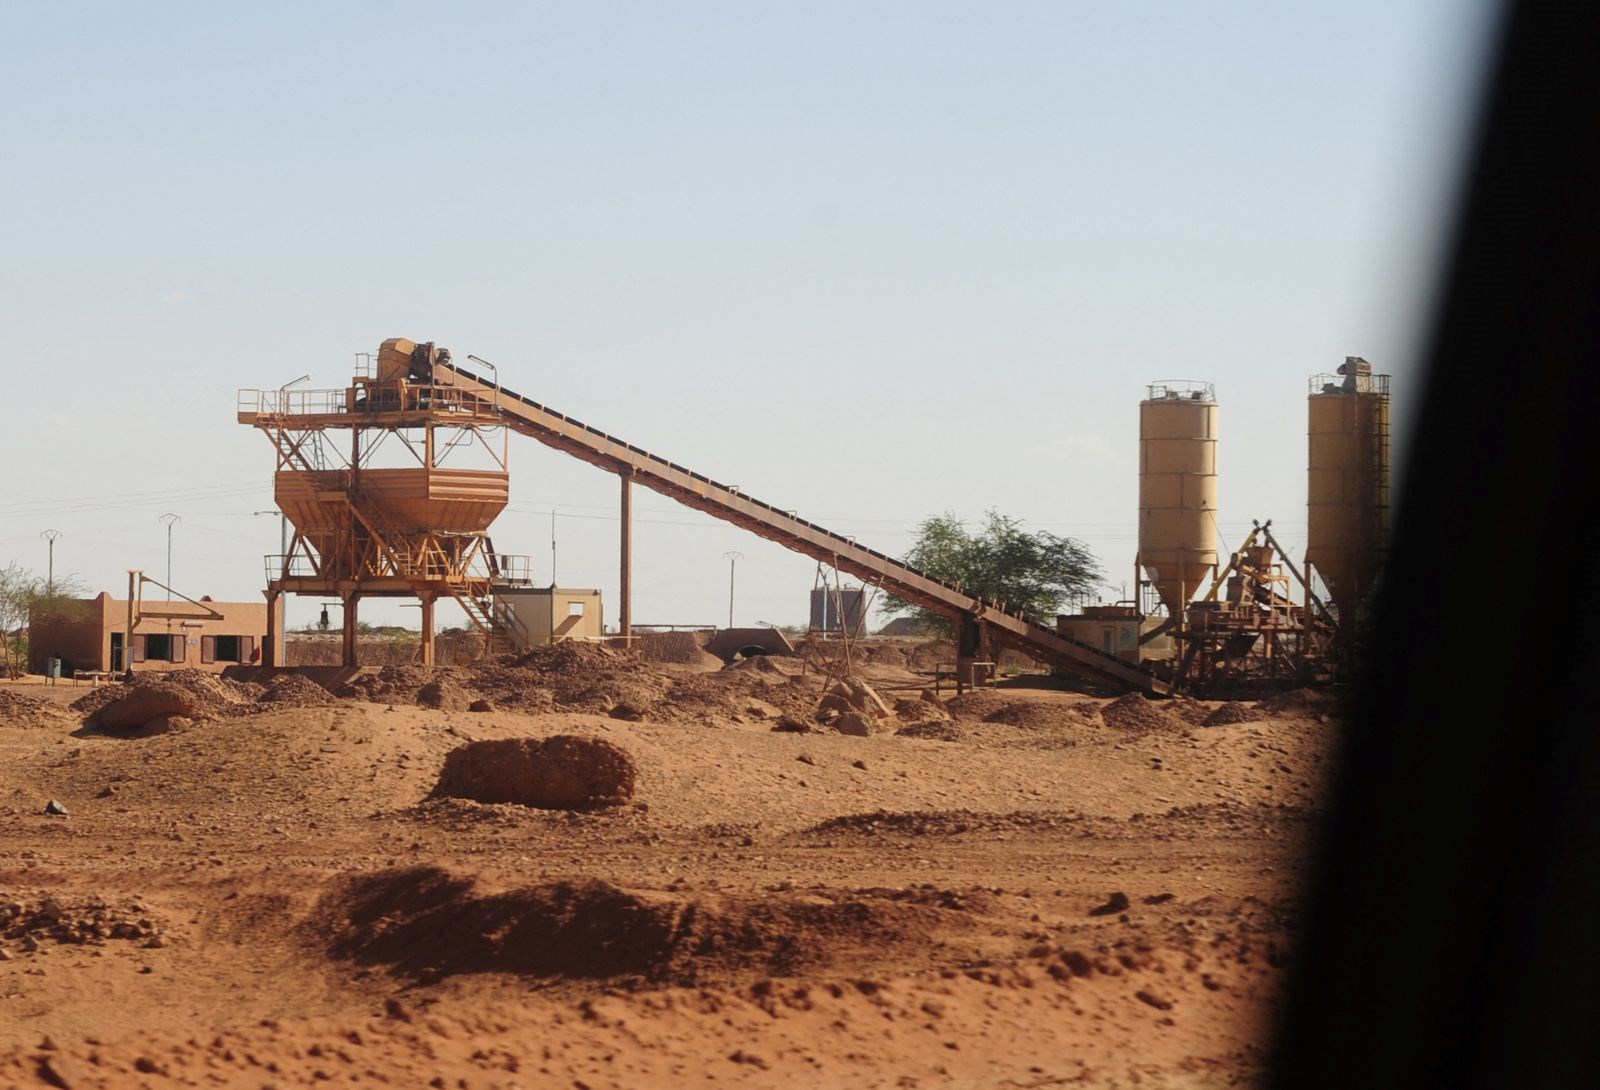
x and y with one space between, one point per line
1023 886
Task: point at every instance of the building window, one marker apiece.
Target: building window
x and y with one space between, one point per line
162 647
574 609
227 648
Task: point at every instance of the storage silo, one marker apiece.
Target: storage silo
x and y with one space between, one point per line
1347 485
1178 489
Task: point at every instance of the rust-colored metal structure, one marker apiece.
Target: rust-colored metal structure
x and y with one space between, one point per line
424 532
1251 628
1347 486
978 621
362 528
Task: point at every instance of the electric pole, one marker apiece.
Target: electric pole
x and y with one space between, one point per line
50 580
169 518
733 559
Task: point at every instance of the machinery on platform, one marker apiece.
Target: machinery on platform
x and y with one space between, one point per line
370 477
420 528
423 531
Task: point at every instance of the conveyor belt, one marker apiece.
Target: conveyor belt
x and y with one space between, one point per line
696 490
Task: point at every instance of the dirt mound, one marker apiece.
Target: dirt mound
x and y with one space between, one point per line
1232 712
1188 709
1298 702
571 657
24 709
942 822
189 694
296 691
27 922
427 924
1132 712
390 685
682 648
563 772
1040 716
756 664
920 711
445 693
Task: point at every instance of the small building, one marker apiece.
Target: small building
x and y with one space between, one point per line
1116 630
88 634
540 615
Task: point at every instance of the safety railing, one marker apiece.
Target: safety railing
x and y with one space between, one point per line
1326 383
1180 390
510 568
300 567
291 402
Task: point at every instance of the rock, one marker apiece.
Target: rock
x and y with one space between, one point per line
564 772
165 724
60 1071
854 724
931 697
788 724
480 705
760 709
1116 903
806 759
147 701
1154 999
630 712
858 763
55 809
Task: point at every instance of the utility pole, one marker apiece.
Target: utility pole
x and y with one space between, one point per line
169 518
733 559
50 580
552 548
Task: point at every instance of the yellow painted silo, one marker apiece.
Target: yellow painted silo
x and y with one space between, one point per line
1178 489
1347 485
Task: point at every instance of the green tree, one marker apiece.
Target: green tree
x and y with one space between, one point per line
1000 563
23 597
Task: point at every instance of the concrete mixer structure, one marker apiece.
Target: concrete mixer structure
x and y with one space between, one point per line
390 484
1347 483
1178 490
372 478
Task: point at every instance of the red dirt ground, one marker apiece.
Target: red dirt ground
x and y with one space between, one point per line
1047 889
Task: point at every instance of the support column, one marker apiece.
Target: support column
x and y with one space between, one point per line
969 645
425 648
351 608
269 651
127 633
625 593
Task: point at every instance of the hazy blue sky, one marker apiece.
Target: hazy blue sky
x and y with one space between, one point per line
866 261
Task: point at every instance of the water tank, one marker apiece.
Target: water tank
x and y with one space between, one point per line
1347 484
1178 489
833 610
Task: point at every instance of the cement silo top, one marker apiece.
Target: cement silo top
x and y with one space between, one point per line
1181 390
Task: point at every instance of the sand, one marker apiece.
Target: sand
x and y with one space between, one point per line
270 897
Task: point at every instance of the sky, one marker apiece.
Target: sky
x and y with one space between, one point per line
870 262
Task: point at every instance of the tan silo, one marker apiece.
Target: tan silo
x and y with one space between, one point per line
1178 489
1347 485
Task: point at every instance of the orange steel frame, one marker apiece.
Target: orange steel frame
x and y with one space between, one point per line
369 557
347 540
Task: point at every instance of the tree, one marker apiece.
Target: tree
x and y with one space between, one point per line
24 596
1000 563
